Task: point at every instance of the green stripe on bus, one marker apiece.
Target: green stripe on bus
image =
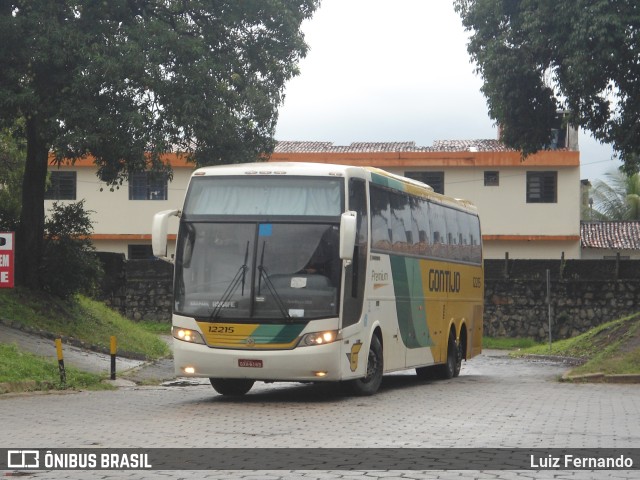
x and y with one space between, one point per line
410 302
277 333
387 182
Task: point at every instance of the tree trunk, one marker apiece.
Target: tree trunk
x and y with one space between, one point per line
29 238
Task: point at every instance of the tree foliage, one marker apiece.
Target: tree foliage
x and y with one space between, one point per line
617 197
128 80
69 263
12 154
538 56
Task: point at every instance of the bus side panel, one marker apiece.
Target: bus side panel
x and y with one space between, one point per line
415 314
380 309
459 289
431 296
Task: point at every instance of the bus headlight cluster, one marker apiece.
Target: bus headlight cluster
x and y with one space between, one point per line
319 338
187 335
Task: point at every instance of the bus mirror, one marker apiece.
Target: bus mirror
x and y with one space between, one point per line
348 224
159 230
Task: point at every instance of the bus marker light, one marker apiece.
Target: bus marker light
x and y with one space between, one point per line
320 374
189 370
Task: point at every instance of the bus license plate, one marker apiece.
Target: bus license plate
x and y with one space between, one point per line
249 363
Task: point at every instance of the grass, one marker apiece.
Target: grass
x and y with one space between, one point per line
80 319
611 348
21 371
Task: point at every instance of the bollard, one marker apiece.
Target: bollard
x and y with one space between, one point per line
63 374
113 357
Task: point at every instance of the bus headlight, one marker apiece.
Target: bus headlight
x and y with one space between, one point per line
187 335
319 338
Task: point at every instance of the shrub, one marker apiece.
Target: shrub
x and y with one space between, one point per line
69 264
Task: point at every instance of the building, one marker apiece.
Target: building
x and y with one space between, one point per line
610 240
529 208
121 216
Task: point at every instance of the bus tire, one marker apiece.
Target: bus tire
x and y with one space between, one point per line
448 369
231 386
369 384
456 370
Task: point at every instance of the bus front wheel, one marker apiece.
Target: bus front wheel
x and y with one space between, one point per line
231 386
370 383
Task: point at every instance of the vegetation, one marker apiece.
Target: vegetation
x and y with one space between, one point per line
69 263
539 56
80 318
21 371
617 197
507 343
126 82
12 154
610 348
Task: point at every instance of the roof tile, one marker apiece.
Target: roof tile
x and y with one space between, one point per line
482 145
611 235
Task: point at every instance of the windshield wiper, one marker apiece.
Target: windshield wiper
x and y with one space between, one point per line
264 274
238 279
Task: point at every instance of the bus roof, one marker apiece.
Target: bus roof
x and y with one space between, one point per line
280 168
415 187
375 175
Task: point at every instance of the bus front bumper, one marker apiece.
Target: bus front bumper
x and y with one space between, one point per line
303 364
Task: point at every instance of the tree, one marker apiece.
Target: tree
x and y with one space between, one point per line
617 198
128 80
12 153
538 56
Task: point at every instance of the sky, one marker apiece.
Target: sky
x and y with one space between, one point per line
395 70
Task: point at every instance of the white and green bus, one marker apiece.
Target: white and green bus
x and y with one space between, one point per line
321 273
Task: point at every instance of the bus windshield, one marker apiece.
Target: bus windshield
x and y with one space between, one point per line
252 195
255 270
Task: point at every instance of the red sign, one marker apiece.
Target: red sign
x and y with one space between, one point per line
6 259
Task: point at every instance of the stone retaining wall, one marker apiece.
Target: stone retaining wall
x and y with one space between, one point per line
584 293
138 289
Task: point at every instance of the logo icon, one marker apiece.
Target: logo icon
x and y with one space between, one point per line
23 459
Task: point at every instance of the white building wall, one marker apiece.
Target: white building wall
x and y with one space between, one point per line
504 209
118 221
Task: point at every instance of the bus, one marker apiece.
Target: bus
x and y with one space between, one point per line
321 273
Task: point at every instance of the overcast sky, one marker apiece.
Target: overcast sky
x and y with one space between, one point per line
394 70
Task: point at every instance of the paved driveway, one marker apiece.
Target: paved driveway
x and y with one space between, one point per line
496 402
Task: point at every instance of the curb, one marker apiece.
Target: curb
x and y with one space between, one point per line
601 378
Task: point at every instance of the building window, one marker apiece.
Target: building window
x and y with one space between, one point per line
147 186
491 178
542 187
62 186
434 179
140 252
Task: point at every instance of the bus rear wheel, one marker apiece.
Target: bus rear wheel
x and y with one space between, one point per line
231 386
370 383
451 368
